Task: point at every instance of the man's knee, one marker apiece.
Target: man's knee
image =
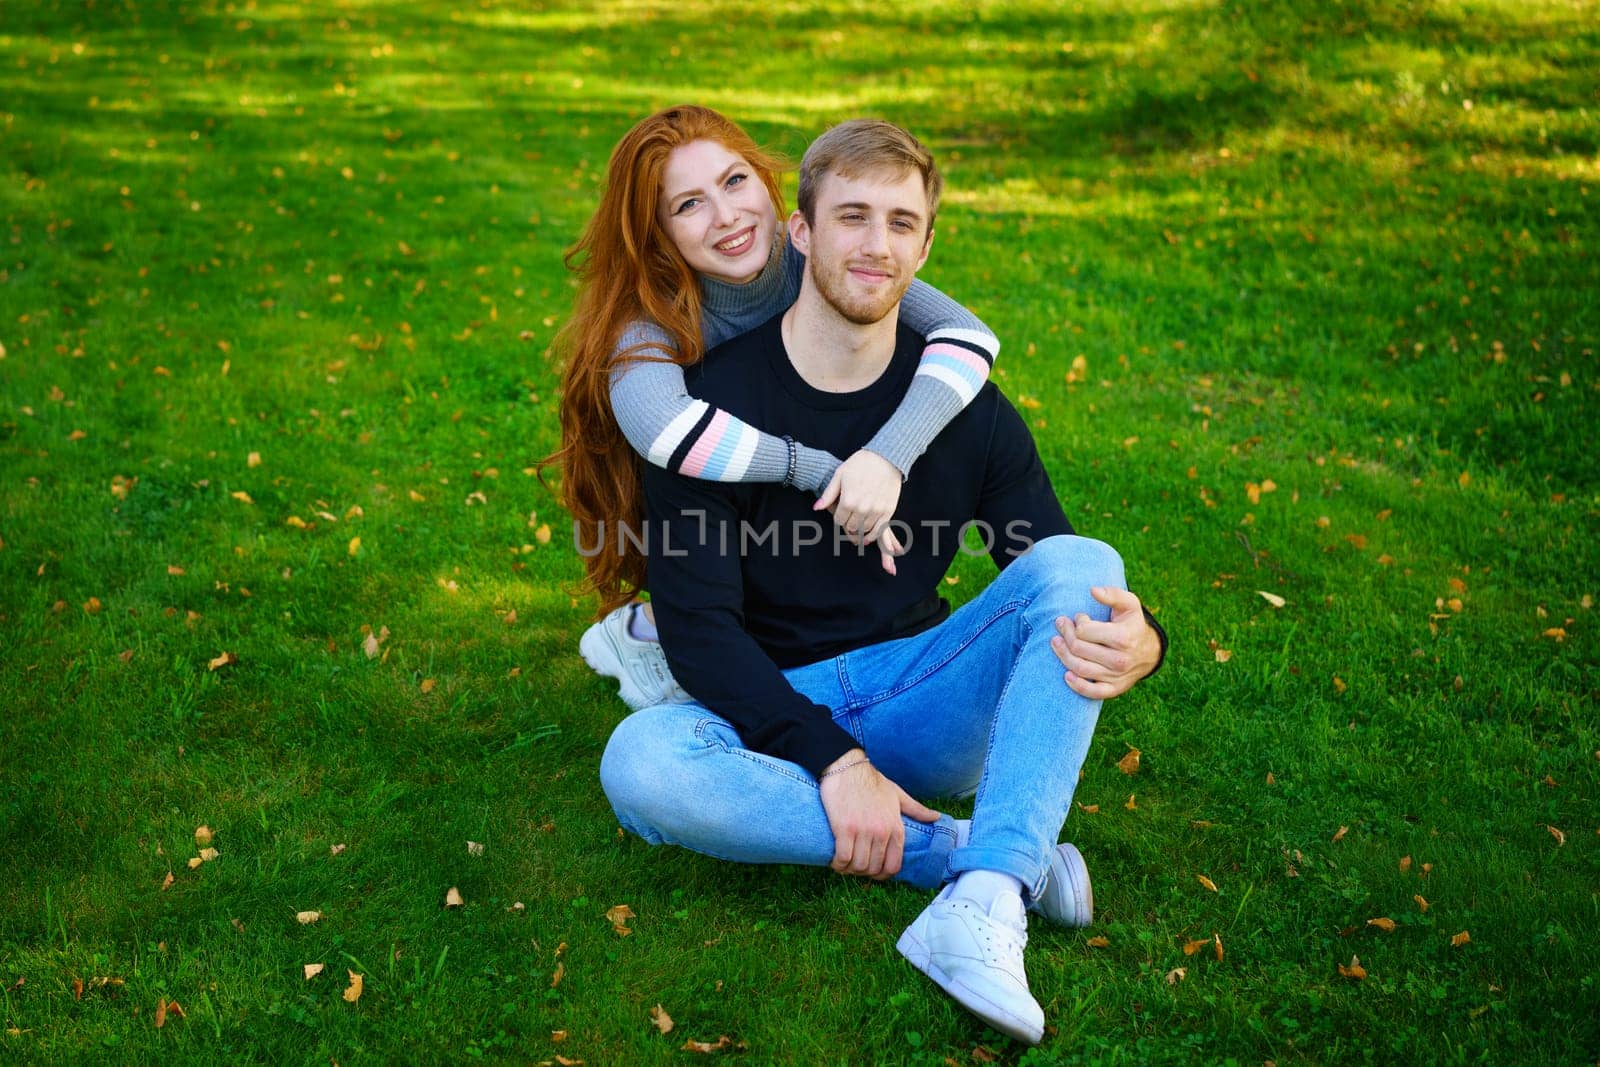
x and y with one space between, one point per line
1080 561
632 769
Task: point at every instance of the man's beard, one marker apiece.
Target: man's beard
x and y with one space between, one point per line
859 308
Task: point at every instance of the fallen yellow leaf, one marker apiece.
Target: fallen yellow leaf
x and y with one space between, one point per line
1129 764
209 854
452 898
1223 655
195 861
1191 947
722 1042
1098 942
1385 924
1271 598
1176 975
1561 838
241 496
1421 903
1338 834
227 659
306 918
1460 939
253 459
427 685
161 1013
619 914
312 970
662 1020
1355 970
353 993
1130 805
1208 883
355 546
202 836
1216 939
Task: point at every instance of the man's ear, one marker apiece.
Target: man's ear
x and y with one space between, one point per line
799 233
927 246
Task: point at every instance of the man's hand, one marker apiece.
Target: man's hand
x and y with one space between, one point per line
1105 659
864 810
862 495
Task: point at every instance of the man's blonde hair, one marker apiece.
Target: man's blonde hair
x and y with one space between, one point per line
861 147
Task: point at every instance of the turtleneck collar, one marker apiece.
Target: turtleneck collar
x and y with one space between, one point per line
726 299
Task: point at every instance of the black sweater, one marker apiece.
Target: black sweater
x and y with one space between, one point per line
730 621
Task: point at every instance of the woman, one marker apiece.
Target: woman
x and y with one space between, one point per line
684 252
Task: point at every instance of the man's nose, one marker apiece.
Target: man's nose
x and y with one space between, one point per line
877 240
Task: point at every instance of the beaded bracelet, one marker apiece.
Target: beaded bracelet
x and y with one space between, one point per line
794 459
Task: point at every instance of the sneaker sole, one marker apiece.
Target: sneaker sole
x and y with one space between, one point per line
1069 889
602 659
917 954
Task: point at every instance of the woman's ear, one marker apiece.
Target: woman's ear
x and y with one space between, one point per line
799 233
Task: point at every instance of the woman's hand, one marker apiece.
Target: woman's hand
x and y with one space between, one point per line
862 495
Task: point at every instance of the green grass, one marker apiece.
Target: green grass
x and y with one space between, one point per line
1286 248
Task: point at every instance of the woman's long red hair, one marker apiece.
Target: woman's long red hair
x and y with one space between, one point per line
628 270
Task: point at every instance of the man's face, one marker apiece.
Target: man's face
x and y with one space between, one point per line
869 238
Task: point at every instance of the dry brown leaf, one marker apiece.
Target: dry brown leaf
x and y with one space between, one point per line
1457 940
558 1036
722 1042
1384 923
1130 805
1338 684
166 883
1223 655
209 854
474 848
509 617
619 914
560 972
195 861
1208 883
1355 970
564 1062
452 898
1270 779
161 1012
1405 864
1338 834
312 970
1191 947
517 906
175 1010
306 918
1098 941
227 659
662 1021
1176 975
983 1054
369 645
334 850
1271 598
202 836
1561 838
428 685
77 988
353 993
1129 764
1421 903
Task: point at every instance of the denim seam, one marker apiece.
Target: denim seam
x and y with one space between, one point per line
1006 608
764 762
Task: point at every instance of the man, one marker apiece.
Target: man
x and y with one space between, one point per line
831 693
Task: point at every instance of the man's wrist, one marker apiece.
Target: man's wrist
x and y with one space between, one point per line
854 757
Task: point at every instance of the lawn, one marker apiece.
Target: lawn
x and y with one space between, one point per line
1299 299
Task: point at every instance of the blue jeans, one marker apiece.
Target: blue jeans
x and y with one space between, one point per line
978 700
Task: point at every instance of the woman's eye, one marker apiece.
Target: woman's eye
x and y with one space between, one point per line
736 179
686 205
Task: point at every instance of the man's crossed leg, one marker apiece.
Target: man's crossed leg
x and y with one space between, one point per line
979 701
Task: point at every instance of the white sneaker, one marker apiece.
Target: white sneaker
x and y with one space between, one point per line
640 666
976 957
1066 897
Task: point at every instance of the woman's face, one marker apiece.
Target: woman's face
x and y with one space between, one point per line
717 212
